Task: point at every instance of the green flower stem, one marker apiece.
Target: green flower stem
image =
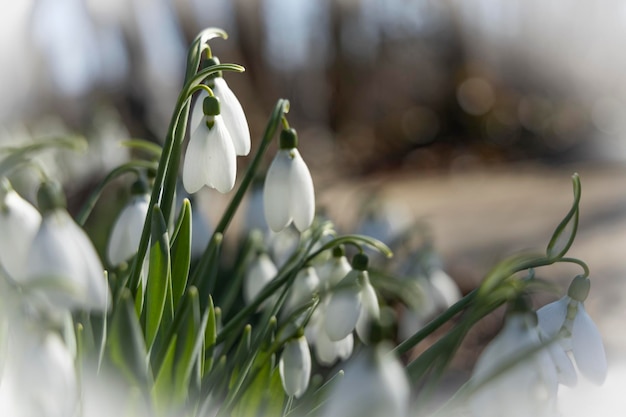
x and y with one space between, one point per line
282 107
353 240
132 166
434 324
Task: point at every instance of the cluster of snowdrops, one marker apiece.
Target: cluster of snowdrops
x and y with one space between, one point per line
302 323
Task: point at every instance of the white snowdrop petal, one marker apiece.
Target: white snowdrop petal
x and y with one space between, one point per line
587 347
221 158
369 311
552 316
19 222
327 352
124 239
445 286
197 113
295 367
565 368
234 116
333 271
302 199
196 160
304 285
276 192
259 274
342 313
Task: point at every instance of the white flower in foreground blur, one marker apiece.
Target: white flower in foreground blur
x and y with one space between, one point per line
374 385
260 272
577 333
333 270
210 158
527 387
126 234
63 265
304 286
369 308
231 110
40 379
288 192
295 367
19 222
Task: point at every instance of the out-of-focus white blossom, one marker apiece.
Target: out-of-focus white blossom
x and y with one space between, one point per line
370 311
374 385
64 268
19 222
295 367
327 351
528 387
126 233
260 272
304 286
332 271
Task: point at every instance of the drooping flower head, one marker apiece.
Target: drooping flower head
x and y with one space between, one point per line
210 158
19 222
231 110
524 388
288 193
126 233
295 366
568 320
64 268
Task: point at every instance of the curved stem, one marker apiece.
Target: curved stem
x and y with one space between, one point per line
578 262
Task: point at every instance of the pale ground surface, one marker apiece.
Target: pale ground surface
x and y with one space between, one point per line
480 217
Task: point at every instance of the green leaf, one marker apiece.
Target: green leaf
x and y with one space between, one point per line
158 276
250 403
210 335
125 344
565 232
181 252
190 344
150 148
164 383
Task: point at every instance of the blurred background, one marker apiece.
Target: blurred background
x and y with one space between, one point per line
469 115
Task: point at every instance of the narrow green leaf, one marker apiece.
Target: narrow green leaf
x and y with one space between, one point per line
240 354
210 334
150 148
251 401
164 382
274 395
125 344
565 232
190 346
158 275
181 252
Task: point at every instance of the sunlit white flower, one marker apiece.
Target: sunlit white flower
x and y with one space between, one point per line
528 386
295 366
210 158
231 110
63 264
288 193
19 222
577 334
260 272
445 289
126 233
374 385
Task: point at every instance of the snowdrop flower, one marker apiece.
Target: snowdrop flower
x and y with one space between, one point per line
295 367
345 306
124 239
19 222
210 158
260 272
304 286
577 333
334 269
370 310
327 351
374 385
63 264
231 111
528 387
288 193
